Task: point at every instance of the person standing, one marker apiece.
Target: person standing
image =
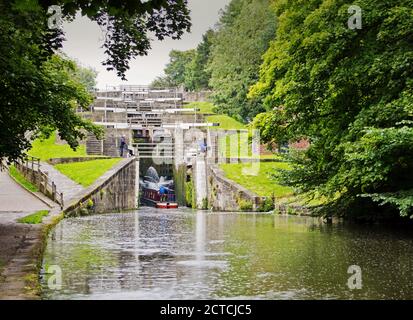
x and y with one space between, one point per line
162 193
122 145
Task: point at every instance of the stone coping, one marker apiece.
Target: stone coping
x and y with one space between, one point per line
219 174
55 161
248 160
99 184
283 208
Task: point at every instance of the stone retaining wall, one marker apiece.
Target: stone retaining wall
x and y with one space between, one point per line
56 161
247 160
183 117
199 96
35 176
114 191
226 195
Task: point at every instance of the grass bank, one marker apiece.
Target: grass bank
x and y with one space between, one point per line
207 108
238 146
20 179
263 184
226 122
35 218
87 172
204 107
47 149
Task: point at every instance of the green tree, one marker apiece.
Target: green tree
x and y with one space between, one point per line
196 74
177 66
86 76
244 32
162 82
127 24
351 93
38 90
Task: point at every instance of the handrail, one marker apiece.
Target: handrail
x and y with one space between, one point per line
29 166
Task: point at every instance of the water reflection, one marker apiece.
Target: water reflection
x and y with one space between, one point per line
154 254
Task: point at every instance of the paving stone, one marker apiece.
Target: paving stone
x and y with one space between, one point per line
63 184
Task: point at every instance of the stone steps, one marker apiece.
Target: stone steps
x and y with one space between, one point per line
94 146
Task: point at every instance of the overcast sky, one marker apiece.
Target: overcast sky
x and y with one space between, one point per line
84 40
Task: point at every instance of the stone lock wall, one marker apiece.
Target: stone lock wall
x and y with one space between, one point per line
115 191
184 118
55 161
226 195
109 146
199 96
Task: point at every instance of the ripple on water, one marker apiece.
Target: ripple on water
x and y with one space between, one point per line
204 264
153 254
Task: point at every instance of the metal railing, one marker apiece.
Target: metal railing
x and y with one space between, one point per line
30 168
154 150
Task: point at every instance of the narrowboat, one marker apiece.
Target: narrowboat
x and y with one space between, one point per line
149 191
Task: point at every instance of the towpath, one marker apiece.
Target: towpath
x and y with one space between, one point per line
16 239
63 184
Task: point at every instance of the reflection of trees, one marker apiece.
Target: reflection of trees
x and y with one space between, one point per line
270 254
120 252
287 254
82 261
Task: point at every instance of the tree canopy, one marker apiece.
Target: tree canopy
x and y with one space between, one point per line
127 24
196 74
244 32
228 58
177 66
351 93
86 76
175 70
40 90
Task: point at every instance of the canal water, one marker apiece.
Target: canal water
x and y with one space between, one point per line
155 254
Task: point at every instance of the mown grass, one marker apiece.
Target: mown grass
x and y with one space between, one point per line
271 156
238 146
87 172
204 107
34 218
208 108
22 180
47 149
263 183
226 122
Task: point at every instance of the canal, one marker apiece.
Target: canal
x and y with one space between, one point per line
155 254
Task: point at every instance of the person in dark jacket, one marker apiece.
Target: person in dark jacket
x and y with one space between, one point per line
122 145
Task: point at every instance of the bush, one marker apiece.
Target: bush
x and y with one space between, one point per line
34 218
245 205
267 205
190 198
205 204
